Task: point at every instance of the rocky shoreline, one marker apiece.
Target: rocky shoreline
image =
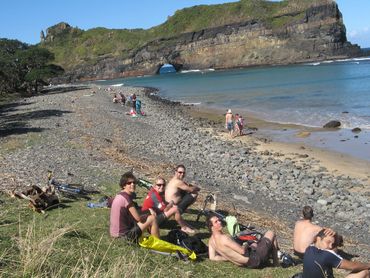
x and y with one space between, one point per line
80 134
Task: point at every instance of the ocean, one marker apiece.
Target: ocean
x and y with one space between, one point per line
309 94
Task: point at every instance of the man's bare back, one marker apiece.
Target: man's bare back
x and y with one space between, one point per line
304 234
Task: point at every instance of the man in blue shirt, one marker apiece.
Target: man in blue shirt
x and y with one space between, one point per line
319 259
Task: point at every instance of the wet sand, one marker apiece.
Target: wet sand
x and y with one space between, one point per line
336 150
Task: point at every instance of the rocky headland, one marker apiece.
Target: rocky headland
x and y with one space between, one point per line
81 135
260 33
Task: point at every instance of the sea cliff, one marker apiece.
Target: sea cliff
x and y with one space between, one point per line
298 31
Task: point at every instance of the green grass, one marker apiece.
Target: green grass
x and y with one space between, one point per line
74 242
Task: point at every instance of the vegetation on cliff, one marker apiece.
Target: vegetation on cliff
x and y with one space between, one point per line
73 46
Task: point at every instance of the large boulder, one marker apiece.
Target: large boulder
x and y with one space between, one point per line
332 124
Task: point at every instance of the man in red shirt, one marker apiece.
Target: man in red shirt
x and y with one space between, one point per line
155 200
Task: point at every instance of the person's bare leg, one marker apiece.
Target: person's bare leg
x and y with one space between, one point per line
271 236
184 226
152 223
361 274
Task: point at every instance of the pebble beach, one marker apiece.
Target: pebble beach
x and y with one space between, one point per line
77 132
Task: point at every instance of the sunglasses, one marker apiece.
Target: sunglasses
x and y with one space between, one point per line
160 185
131 182
180 172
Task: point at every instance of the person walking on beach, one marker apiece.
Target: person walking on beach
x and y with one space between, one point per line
182 194
319 259
155 201
222 247
125 220
240 124
229 122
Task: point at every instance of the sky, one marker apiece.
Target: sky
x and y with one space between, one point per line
24 19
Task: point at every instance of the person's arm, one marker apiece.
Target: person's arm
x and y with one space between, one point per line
213 255
188 188
230 243
353 266
135 214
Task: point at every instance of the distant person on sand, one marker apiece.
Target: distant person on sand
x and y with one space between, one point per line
123 98
240 124
236 125
229 122
133 102
319 259
178 191
305 232
222 247
125 220
155 201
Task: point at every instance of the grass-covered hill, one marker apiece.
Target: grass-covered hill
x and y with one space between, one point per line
73 46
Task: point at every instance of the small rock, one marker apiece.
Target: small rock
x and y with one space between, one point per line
322 202
332 124
356 130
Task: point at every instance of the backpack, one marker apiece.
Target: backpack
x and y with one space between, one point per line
192 243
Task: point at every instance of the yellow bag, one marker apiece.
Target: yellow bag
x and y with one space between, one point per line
157 244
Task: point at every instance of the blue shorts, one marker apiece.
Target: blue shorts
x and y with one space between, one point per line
230 126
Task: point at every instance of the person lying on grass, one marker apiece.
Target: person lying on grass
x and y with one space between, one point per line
222 247
155 200
125 219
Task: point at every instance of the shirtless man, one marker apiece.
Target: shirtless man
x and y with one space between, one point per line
304 232
229 122
222 247
178 191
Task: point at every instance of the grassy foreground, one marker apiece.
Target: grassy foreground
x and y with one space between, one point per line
73 241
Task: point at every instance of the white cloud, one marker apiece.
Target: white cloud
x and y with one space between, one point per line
360 36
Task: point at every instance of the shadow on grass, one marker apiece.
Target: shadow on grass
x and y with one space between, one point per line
61 90
77 234
18 123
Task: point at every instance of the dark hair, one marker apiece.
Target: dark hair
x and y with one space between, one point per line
307 212
180 166
209 222
338 241
125 177
320 234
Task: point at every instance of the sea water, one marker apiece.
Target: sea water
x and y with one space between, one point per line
309 94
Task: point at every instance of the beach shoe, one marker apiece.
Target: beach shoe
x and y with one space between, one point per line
188 230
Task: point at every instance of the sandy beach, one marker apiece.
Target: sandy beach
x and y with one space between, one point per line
79 133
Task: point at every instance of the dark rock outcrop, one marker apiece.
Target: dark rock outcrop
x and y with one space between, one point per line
313 34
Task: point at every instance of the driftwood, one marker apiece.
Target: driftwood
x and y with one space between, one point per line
39 199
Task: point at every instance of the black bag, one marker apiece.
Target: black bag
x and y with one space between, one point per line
192 243
195 244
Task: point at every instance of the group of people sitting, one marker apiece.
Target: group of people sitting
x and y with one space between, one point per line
234 124
161 203
316 246
132 101
119 98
